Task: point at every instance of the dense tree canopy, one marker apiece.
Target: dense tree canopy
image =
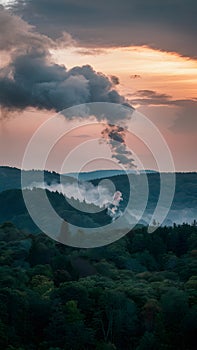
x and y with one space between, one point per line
137 293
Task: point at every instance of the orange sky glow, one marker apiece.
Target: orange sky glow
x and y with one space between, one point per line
138 68
158 70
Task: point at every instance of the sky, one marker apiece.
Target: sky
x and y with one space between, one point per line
58 53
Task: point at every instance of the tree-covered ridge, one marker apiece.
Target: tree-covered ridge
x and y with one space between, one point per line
10 178
137 293
186 184
12 208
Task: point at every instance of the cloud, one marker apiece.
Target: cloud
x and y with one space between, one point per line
167 25
90 52
135 76
31 79
150 97
186 121
17 34
115 80
152 94
185 109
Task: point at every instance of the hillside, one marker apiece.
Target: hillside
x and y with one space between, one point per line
183 209
10 178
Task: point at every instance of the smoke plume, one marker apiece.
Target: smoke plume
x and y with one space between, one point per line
32 79
100 196
115 137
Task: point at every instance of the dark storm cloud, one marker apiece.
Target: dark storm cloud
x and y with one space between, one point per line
31 80
168 25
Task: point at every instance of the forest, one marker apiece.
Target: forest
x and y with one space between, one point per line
13 209
98 177
137 293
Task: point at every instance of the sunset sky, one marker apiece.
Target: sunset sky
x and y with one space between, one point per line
58 53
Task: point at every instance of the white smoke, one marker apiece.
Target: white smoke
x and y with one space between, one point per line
113 209
100 195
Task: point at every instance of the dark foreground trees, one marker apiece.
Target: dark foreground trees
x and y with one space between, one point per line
138 293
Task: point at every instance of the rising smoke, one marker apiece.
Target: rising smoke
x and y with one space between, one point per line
32 79
100 195
115 137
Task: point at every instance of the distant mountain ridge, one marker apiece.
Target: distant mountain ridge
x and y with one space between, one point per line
10 177
100 174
